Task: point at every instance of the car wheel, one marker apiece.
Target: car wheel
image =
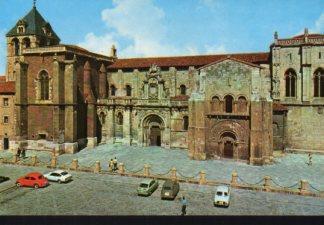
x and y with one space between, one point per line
18 184
36 186
59 181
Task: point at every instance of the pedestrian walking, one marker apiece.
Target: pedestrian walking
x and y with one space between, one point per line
115 164
23 153
184 203
111 164
18 152
310 162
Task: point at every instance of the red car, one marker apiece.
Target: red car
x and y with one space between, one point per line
34 179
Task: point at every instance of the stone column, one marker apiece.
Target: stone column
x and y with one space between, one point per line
75 164
127 126
53 161
147 170
97 168
304 187
174 173
121 168
234 178
202 177
34 160
267 180
110 125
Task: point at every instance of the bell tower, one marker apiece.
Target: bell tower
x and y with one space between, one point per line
31 31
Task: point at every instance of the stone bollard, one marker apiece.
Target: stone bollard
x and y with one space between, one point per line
97 168
74 165
234 178
121 168
34 160
53 161
147 170
15 159
304 187
266 184
174 173
202 177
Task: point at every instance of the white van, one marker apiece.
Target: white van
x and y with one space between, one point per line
222 196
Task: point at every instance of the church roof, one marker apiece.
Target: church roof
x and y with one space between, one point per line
2 78
309 36
186 61
7 87
34 25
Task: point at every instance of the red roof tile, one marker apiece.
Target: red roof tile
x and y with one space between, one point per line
2 78
279 107
309 36
7 87
186 61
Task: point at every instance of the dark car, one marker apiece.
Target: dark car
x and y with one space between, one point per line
3 179
170 189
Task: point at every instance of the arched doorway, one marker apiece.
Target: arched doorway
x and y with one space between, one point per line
5 143
153 126
228 140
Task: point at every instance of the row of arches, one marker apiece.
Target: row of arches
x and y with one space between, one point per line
291 83
227 104
17 46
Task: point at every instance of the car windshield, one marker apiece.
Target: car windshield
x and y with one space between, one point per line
225 193
167 188
40 177
64 173
219 193
142 185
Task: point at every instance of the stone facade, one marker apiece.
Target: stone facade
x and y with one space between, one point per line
303 58
236 106
7 115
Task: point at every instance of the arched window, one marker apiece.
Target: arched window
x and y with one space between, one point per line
15 43
185 122
44 85
112 90
228 104
291 80
319 83
183 89
242 104
215 107
26 43
128 90
119 119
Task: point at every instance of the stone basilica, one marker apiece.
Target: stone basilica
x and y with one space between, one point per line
240 106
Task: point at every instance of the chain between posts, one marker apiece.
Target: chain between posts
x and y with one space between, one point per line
130 171
296 184
261 180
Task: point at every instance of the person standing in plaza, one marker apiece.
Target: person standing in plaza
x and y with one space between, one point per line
18 152
184 203
310 162
111 163
23 153
115 164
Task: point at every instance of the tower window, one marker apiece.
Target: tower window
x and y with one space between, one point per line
44 85
185 123
15 43
112 90
291 79
128 90
228 104
5 102
183 89
6 119
320 55
319 83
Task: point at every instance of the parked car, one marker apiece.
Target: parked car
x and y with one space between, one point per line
3 179
222 196
170 189
34 179
147 187
60 176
